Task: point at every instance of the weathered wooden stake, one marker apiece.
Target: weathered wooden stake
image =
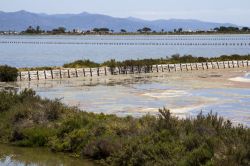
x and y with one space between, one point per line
157 68
238 64
68 74
168 68
196 66
51 71
162 69
83 70
218 66
90 72
180 66
60 73
37 75
29 75
105 70
98 72
45 75
224 65
76 72
20 74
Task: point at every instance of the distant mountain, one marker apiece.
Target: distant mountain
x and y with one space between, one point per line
20 20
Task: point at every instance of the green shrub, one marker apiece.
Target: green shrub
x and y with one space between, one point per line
28 120
8 73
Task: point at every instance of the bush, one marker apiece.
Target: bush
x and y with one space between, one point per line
28 120
8 73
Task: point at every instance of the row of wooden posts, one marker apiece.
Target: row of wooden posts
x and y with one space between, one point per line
105 71
134 43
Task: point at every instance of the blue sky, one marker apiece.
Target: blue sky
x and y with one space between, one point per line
233 11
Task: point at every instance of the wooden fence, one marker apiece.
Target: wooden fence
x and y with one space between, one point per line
105 71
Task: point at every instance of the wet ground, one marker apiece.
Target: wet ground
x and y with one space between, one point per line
225 91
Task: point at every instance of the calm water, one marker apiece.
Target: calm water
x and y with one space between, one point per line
15 156
31 51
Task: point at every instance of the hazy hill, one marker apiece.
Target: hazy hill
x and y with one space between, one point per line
20 20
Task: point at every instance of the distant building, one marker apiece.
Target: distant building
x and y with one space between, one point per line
9 33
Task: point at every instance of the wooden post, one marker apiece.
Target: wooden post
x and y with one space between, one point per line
175 68
139 70
90 69
228 64
238 64
180 66
98 72
202 66
60 73
207 64
233 63
186 67
212 65
76 72
68 74
196 66
243 64
20 74
105 69
45 74
37 75
168 68
157 68
83 70
218 66
247 63
29 75
51 71
132 68
191 66
119 70
224 64
162 68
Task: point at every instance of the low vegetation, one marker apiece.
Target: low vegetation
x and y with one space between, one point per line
8 73
149 62
28 120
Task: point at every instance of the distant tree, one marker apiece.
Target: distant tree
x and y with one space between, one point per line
180 30
146 29
139 30
123 31
59 30
105 30
245 29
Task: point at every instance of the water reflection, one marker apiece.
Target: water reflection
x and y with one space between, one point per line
15 156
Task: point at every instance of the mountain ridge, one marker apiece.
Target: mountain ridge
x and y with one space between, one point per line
20 20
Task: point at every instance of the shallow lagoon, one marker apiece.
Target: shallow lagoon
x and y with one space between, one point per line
185 94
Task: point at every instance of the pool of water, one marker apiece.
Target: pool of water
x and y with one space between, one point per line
16 156
30 51
138 95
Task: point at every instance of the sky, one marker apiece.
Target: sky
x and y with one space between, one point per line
223 11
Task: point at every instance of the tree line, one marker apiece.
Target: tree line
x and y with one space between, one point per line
144 30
